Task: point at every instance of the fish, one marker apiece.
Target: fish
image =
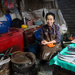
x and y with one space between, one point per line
67 58
71 48
71 53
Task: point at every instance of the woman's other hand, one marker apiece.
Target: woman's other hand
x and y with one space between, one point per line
73 41
44 42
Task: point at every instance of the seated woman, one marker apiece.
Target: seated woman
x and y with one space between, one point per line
50 38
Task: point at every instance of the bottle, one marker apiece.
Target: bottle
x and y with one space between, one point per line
71 38
24 20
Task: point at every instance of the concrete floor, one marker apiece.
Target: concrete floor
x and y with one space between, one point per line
43 69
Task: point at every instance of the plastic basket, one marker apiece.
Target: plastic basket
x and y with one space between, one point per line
8 17
37 34
4 26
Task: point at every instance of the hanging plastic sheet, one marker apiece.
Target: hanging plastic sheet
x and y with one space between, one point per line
3 18
41 13
28 15
59 20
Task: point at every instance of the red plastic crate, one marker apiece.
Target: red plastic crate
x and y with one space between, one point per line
13 38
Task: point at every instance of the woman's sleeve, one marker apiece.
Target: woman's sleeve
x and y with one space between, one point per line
42 34
58 36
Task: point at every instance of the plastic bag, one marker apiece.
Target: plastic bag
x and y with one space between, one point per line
8 4
63 29
3 18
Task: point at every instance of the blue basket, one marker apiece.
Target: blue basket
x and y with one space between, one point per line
33 48
4 26
37 34
8 17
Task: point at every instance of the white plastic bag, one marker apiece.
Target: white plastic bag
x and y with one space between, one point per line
13 15
63 29
5 61
3 18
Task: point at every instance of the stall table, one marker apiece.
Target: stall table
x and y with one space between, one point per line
63 64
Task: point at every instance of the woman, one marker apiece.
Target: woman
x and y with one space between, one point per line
50 34
73 41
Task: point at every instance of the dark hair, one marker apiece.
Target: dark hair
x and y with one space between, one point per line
50 13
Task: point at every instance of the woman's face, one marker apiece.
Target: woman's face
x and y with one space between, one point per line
50 20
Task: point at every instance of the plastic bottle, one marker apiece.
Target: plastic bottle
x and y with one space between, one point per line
24 20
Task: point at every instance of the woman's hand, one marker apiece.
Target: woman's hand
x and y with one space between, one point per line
44 42
73 41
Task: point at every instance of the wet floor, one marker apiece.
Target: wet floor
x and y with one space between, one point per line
43 69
